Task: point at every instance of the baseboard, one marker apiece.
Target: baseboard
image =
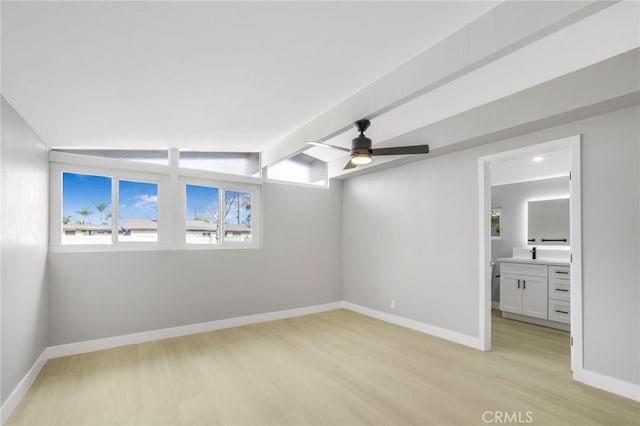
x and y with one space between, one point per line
166 333
601 381
495 305
20 391
130 339
442 333
609 384
537 321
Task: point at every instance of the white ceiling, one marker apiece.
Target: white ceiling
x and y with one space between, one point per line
231 76
593 39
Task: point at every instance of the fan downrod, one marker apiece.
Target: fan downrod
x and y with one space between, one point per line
362 125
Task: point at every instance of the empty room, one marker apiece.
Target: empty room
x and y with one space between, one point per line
320 213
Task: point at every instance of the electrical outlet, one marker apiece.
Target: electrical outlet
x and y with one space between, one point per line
392 305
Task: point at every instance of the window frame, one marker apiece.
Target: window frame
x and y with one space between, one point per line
171 181
116 175
222 186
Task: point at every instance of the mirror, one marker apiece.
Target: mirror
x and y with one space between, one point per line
548 222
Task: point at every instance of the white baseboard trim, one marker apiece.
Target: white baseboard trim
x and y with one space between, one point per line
166 333
601 381
609 384
538 321
130 339
20 391
432 330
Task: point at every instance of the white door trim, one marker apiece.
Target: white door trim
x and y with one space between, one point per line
484 289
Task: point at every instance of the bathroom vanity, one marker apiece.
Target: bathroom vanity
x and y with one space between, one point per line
536 291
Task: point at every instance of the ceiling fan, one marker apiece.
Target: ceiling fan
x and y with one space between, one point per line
361 149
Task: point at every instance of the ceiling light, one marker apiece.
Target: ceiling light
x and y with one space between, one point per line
361 158
537 159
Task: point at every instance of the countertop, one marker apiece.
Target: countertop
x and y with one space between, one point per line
536 261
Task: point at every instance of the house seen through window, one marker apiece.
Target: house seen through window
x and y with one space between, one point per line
202 215
137 211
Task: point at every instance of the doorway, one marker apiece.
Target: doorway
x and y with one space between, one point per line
572 144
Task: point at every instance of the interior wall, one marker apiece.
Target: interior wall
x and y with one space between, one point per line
25 236
512 198
410 233
104 294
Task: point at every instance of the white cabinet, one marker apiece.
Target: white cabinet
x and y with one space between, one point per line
524 294
510 293
559 311
535 290
559 291
534 296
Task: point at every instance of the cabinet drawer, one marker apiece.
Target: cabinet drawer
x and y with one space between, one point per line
559 289
523 269
559 311
559 272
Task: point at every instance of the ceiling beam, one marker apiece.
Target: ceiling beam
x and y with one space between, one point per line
553 103
506 28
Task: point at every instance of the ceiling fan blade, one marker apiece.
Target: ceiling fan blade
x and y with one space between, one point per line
326 145
402 150
350 165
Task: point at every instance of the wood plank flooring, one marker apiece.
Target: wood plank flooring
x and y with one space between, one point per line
333 368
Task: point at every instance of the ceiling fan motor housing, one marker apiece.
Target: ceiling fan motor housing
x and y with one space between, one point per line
361 145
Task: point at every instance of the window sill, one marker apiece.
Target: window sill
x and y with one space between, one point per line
156 247
90 248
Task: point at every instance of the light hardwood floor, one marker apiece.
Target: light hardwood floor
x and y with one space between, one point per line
333 368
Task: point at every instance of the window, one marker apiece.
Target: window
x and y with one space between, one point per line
235 163
218 216
202 215
107 204
103 209
145 156
237 216
495 223
300 168
86 209
137 211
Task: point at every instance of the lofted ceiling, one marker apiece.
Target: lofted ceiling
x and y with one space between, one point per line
228 76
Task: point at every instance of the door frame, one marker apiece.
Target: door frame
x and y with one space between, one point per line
575 234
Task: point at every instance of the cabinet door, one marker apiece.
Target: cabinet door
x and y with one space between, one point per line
511 293
534 296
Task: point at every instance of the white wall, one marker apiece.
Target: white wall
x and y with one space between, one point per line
512 198
25 233
106 294
410 233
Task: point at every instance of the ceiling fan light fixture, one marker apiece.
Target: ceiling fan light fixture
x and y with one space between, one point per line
361 158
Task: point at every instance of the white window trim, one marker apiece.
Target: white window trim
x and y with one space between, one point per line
116 175
179 240
171 182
